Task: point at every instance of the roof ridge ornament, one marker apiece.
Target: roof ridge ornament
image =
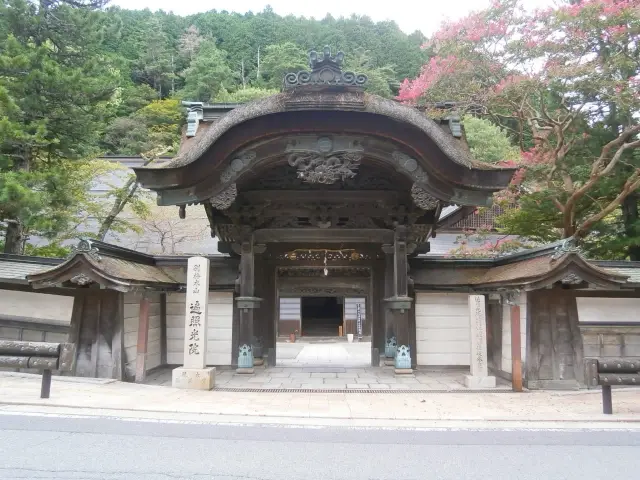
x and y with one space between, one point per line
326 70
86 246
569 245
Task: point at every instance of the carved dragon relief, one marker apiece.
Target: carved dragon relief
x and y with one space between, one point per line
323 160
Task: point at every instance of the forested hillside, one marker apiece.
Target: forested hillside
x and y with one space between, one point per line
80 79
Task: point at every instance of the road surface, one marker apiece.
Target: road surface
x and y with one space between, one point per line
44 447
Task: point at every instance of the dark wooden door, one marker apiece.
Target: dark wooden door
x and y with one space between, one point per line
556 344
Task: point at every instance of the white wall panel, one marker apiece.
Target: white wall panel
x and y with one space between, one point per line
599 309
442 329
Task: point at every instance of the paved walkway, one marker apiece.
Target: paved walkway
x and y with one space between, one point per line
323 352
329 364
21 392
336 378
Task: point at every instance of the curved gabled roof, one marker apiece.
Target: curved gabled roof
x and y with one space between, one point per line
89 266
443 159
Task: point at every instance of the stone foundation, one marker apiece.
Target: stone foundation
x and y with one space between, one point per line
473 381
193 378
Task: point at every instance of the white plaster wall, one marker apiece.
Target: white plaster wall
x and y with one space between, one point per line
506 331
598 309
442 329
36 305
219 328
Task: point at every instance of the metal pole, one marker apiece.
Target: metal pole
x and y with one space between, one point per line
46 384
607 405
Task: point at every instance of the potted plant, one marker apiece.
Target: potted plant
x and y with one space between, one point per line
292 336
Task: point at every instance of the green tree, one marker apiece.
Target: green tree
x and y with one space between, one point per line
281 59
488 142
208 73
565 81
156 125
381 80
244 95
56 90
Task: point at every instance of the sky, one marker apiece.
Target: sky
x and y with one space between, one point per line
412 15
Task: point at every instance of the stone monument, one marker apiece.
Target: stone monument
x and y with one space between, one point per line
479 377
195 374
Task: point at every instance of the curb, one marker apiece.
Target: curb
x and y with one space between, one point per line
612 420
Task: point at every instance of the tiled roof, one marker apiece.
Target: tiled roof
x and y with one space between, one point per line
18 270
632 273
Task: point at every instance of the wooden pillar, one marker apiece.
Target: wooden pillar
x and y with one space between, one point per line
143 340
262 317
516 350
376 312
118 360
389 291
74 329
401 306
247 302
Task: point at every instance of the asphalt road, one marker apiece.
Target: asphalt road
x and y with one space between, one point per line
37 447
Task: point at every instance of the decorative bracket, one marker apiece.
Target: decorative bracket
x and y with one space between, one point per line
223 200
423 199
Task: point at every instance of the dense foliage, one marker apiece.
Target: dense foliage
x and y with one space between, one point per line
79 79
565 81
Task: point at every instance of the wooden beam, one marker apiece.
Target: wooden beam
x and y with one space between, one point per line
323 235
516 350
143 340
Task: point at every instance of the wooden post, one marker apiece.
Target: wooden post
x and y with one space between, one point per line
74 329
607 404
516 349
45 388
95 347
118 360
143 340
247 291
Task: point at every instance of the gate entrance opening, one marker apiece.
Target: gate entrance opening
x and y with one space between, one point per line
321 316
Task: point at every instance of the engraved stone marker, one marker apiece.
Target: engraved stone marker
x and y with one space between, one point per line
479 377
194 373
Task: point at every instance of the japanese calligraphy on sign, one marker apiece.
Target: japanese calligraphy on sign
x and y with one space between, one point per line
195 334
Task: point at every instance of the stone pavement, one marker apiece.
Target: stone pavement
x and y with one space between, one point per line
335 378
328 364
19 392
319 351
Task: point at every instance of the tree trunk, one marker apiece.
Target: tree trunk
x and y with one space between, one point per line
14 237
631 230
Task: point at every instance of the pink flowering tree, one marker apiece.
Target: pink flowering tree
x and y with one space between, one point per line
565 83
